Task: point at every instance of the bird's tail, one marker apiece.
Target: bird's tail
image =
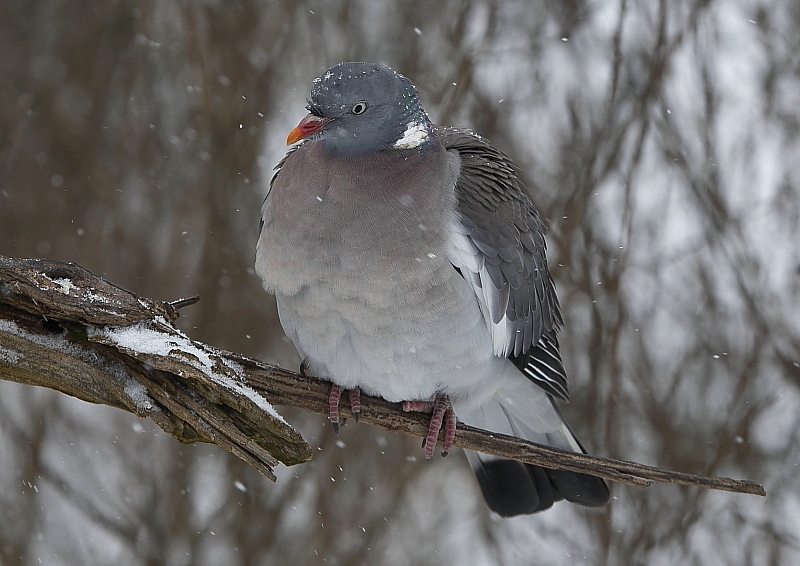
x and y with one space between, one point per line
513 488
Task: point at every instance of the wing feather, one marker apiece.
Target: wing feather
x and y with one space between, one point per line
498 246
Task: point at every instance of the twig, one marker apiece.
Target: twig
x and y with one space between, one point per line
183 303
275 382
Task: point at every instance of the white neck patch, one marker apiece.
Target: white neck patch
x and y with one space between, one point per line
415 135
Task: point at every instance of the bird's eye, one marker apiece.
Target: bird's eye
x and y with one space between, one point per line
359 107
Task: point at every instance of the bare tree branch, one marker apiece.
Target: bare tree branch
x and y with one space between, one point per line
64 328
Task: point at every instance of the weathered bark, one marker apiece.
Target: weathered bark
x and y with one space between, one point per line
64 328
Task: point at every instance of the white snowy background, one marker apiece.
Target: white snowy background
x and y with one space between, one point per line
660 139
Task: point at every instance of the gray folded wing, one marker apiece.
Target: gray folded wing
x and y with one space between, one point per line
499 248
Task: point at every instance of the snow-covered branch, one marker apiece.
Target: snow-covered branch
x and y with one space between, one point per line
67 329
64 328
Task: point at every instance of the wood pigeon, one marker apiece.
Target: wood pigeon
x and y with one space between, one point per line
408 262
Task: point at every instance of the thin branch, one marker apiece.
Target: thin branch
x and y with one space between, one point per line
64 328
275 382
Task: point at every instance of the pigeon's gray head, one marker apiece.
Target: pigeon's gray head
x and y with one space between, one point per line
358 108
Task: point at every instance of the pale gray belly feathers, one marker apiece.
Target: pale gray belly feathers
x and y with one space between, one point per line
361 274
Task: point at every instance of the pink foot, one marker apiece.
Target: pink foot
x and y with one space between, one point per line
442 413
333 405
355 403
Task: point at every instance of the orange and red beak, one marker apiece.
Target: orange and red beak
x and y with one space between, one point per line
309 125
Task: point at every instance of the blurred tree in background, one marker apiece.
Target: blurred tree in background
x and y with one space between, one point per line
660 139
